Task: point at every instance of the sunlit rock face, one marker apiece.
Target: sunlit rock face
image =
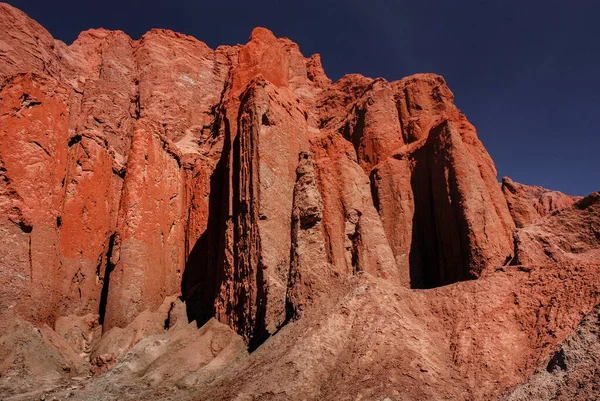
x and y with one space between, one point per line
167 209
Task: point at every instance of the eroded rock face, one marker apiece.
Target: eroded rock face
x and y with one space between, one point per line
310 269
145 183
193 153
89 211
33 157
528 203
147 258
437 195
575 361
121 169
356 241
569 235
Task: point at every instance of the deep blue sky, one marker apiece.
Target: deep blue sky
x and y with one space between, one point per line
525 72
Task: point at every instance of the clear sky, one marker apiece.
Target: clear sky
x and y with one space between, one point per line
525 72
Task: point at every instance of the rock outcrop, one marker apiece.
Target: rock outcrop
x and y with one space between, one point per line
34 136
528 203
570 235
221 223
572 372
437 194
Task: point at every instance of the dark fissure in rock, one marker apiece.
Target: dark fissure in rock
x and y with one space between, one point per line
557 362
74 139
439 252
201 277
106 280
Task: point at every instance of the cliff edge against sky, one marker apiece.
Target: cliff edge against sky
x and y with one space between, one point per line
230 224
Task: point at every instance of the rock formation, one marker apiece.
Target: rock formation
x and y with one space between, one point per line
230 223
572 372
528 204
568 235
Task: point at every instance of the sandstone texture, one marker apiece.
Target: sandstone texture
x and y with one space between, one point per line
528 204
569 235
572 372
181 222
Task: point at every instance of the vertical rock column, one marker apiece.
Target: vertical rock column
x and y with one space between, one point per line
356 241
102 118
438 195
33 157
270 131
148 255
310 272
88 220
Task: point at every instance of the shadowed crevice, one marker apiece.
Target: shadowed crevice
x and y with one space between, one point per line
201 276
106 280
439 253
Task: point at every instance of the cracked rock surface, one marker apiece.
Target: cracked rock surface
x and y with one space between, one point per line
181 222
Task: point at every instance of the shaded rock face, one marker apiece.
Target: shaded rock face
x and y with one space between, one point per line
146 182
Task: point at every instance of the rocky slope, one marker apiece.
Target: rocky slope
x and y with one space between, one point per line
194 223
572 372
528 204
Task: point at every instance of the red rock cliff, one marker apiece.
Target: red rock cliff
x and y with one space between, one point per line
240 177
242 181
175 167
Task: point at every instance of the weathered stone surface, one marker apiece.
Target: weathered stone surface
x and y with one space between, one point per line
393 196
422 100
528 203
310 271
262 55
297 212
264 142
438 197
576 361
469 234
569 235
117 341
372 339
82 333
373 126
334 104
26 46
105 103
305 75
181 80
356 241
33 159
34 359
87 223
148 256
